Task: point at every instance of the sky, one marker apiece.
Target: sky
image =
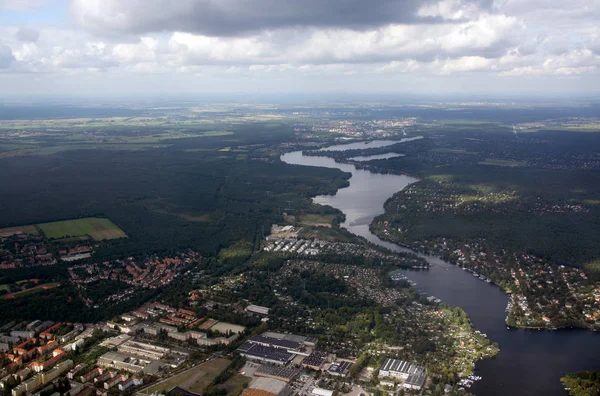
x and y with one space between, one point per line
429 47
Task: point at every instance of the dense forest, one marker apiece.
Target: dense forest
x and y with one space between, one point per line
549 180
198 193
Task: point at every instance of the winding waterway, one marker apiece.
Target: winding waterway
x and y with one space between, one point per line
530 362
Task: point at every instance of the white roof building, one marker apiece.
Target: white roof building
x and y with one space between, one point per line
322 392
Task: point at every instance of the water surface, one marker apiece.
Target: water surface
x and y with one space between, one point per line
530 362
375 157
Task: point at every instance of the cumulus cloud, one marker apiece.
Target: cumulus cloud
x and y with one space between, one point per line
27 34
21 5
466 63
489 36
6 57
237 17
334 39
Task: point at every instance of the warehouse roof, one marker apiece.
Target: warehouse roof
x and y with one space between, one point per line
264 352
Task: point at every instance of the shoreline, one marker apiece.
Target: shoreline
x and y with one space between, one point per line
508 293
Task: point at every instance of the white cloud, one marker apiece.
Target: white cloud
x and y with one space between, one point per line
466 64
6 57
450 9
27 34
436 39
21 5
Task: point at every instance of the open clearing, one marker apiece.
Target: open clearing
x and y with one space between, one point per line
208 323
29 229
202 218
45 286
235 385
97 228
498 162
194 380
315 220
224 327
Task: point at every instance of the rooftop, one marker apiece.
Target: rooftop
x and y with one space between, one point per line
264 352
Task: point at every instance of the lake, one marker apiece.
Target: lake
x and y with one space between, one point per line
530 362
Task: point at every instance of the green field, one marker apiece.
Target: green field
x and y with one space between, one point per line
193 380
311 219
497 162
97 228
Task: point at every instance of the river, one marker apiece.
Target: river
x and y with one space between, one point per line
530 362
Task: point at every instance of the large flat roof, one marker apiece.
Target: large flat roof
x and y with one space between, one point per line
340 366
279 342
277 371
401 366
268 384
265 352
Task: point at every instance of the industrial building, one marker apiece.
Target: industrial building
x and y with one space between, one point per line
266 354
144 350
412 375
415 381
315 360
258 309
321 392
340 368
122 361
277 372
290 342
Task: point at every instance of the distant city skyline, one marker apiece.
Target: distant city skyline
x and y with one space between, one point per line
195 47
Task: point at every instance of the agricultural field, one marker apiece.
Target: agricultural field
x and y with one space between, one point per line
193 380
98 229
29 229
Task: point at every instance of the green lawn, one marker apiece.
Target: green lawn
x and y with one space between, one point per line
315 219
97 228
497 162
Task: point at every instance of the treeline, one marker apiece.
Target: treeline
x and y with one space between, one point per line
584 383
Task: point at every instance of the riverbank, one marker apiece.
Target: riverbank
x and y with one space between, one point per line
524 354
541 296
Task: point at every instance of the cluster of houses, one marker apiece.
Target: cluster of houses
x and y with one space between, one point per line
18 249
149 273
